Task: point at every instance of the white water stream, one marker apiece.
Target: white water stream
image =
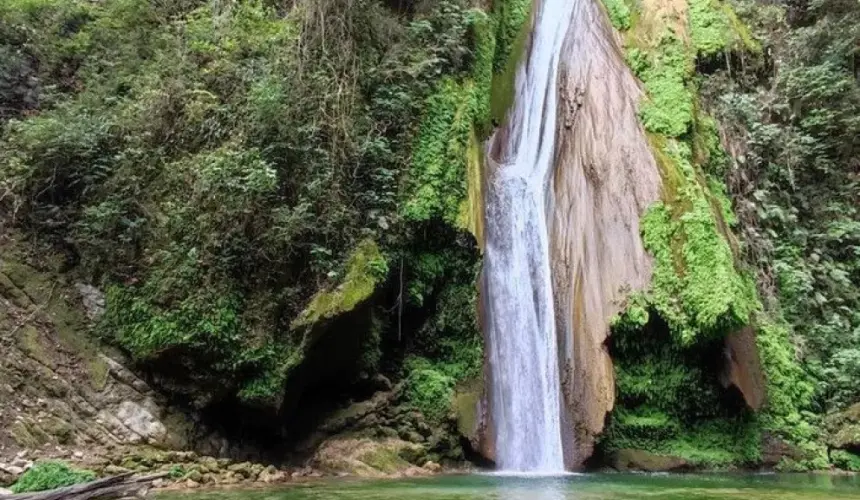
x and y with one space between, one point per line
520 315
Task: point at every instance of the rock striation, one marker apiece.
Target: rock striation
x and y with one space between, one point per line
605 178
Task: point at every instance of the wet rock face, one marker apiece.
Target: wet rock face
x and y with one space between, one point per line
603 180
605 177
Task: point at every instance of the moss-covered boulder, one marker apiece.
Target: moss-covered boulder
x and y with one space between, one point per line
628 459
367 457
843 428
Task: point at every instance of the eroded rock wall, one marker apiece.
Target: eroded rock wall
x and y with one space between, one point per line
605 178
63 396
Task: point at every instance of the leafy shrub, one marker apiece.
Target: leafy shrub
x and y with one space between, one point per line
429 388
47 475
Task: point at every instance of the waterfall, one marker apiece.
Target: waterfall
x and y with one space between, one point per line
520 318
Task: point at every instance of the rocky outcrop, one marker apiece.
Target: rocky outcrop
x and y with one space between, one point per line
843 429
627 460
386 417
743 367
473 417
605 178
365 457
61 394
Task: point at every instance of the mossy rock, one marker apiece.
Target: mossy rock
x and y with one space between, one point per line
843 428
364 269
367 457
467 397
640 460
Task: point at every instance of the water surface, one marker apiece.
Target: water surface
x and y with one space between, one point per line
574 487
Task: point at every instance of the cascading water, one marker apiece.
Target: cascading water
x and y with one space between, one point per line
520 315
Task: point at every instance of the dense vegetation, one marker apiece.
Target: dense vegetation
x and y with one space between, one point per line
792 121
786 98
47 475
238 174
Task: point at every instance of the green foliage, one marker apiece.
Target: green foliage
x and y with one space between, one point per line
711 444
714 28
440 155
47 475
454 113
788 387
200 322
670 399
448 347
176 471
228 171
428 388
795 188
845 460
619 13
696 287
512 18
668 109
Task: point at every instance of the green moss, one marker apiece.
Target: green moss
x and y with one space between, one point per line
20 432
788 388
482 28
462 110
671 400
48 475
714 28
668 109
504 78
27 338
707 443
365 268
440 155
619 13
385 459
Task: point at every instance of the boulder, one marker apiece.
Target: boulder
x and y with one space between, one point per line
628 459
93 300
365 457
843 428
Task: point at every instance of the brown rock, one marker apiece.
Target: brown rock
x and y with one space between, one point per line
639 460
605 179
774 449
432 467
743 367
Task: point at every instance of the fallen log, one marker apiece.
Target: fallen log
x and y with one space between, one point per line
123 485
